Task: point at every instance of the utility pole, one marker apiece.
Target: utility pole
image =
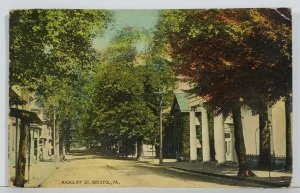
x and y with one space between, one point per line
160 134
160 93
29 151
16 144
55 140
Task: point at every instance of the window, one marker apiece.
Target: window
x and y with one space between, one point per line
227 135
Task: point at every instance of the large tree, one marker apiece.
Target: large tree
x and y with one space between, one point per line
269 49
225 54
122 92
50 46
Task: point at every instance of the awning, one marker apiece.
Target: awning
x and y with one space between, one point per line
31 117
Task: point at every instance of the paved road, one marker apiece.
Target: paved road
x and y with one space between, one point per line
94 170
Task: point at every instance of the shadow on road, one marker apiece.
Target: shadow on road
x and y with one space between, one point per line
91 154
136 167
173 173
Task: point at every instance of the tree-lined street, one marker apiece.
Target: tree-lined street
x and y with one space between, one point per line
95 79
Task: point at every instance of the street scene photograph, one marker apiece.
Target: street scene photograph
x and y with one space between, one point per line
173 98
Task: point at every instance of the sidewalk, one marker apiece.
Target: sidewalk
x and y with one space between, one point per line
228 171
39 172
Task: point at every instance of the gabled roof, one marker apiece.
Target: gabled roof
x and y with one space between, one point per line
182 102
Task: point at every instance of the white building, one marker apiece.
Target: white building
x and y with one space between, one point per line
224 132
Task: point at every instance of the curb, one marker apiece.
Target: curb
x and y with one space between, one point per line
266 183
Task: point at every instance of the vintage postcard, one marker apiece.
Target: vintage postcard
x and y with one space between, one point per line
150 98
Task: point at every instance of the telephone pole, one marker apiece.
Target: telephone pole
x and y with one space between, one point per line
160 134
160 93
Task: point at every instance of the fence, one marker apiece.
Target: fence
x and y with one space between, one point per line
277 162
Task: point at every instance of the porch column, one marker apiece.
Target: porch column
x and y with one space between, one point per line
32 156
205 135
193 144
271 134
38 145
219 136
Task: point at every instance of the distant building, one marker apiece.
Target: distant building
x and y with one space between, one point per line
149 150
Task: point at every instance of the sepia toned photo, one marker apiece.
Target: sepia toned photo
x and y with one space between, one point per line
178 98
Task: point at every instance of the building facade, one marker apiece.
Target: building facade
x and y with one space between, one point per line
38 139
200 140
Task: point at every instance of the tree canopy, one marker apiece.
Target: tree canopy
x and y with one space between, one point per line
231 57
226 52
122 101
52 42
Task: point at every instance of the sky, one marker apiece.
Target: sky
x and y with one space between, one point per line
127 18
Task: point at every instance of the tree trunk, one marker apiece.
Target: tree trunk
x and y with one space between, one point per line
125 147
21 164
139 147
68 138
264 161
64 139
61 147
211 136
156 151
288 159
244 170
56 138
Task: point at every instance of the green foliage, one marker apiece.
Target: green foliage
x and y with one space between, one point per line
108 97
51 52
51 42
51 55
122 104
182 134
